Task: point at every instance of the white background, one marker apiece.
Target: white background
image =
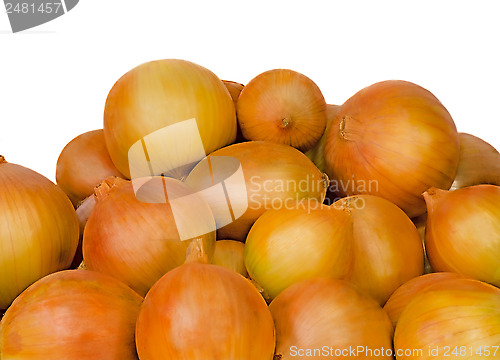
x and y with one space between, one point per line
54 79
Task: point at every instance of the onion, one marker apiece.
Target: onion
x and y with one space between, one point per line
458 321
463 231
229 253
393 139
83 164
137 241
420 222
364 239
72 314
479 163
325 319
204 311
38 229
145 104
257 176
282 106
234 89
83 212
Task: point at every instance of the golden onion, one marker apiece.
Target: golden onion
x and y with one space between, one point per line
229 253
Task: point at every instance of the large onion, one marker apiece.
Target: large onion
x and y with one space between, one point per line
83 164
137 241
463 231
164 116
243 180
282 106
71 315
38 229
393 139
202 311
329 319
364 239
456 319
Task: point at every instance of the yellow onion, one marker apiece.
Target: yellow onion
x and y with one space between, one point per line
282 106
463 231
204 311
83 164
83 212
234 89
455 319
329 319
136 238
243 180
364 239
393 139
38 229
229 253
420 222
406 292
163 116
71 315
479 163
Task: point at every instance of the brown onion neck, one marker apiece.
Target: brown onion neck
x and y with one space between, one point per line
196 252
2 159
102 190
433 197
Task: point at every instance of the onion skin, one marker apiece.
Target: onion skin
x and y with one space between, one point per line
463 231
479 163
364 239
420 222
161 93
327 312
38 229
204 311
229 254
392 139
264 178
464 314
83 212
72 315
234 89
282 106
83 164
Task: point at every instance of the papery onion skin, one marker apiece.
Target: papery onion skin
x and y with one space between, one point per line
464 315
72 315
282 106
38 229
319 313
392 139
204 311
463 231
138 242
363 239
161 93
229 253
83 164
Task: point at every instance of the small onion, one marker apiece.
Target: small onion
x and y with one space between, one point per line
229 253
38 229
420 222
363 239
282 106
325 319
203 311
234 89
83 164
455 319
463 231
393 139
71 315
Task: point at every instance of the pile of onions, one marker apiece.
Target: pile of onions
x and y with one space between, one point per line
393 139
136 238
282 106
83 164
256 176
204 311
38 229
364 239
325 319
72 315
229 253
166 115
463 231
454 319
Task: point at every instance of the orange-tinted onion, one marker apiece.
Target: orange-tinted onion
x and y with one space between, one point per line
203 311
325 319
463 231
83 164
363 239
229 253
420 222
38 229
83 212
72 315
393 139
282 106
